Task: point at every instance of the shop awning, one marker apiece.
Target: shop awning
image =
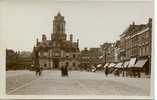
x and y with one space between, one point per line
107 64
140 63
92 67
132 62
112 64
98 66
100 57
126 64
119 65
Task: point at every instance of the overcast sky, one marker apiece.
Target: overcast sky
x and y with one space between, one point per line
93 23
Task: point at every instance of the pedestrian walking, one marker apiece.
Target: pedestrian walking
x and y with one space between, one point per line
66 70
62 71
106 71
117 73
40 71
37 70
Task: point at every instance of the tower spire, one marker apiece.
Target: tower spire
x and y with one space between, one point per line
59 24
59 14
59 27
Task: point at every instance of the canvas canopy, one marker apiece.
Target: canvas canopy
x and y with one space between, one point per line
112 64
92 67
132 62
107 64
100 57
98 66
140 63
126 64
119 65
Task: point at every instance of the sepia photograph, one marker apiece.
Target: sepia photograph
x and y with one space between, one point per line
78 48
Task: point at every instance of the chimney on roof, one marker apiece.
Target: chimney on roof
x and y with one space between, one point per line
78 43
71 37
86 49
37 42
150 19
150 22
133 23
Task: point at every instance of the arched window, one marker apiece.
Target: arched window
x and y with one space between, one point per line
58 28
74 64
67 63
39 54
67 55
45 65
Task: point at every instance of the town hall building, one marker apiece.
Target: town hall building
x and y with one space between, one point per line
58 51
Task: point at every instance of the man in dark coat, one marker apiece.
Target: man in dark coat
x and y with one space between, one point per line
106 71
64 70
37 70
40 71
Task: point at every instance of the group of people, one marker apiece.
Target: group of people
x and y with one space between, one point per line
39 71
64 71
116 72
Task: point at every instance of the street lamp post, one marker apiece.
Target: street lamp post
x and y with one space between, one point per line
123 67
105 56
36 58
122 59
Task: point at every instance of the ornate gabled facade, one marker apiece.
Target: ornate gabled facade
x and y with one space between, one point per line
54 53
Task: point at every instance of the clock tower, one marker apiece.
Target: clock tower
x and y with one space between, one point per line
59 51
58 28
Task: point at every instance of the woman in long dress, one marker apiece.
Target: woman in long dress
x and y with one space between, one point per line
66 70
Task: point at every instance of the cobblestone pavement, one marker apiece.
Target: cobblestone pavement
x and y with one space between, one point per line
78 83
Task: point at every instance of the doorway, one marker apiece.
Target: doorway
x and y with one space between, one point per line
56 63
